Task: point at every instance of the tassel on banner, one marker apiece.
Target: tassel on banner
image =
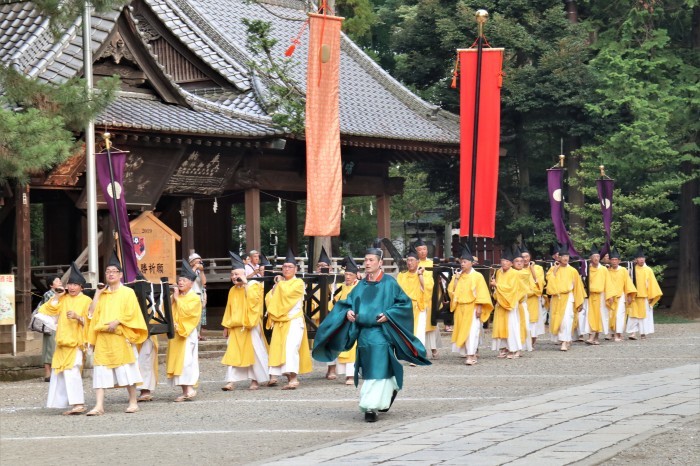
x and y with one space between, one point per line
296 41
455 73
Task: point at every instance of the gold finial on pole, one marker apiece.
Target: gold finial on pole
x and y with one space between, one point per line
602 171
481 17
106 137
561 160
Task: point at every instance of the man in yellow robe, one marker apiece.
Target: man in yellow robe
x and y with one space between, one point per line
289 345
506 334
116 326
432 332
526 283
182 359
641 311
345 362
246 349
566 289
470 302
598 318
621 293
66 384
535 299
412 283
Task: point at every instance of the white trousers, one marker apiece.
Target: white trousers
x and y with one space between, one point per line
527 344
122 376
343 368
375 394
543 318
512 343
644 326
66 387
190 367
584 328
567 323
258 371
620 315
605 314
473 339
419 331
147 363
293 343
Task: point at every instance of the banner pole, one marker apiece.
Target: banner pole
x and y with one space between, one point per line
108 146
481 18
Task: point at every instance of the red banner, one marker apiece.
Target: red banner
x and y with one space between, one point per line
489 118
324 182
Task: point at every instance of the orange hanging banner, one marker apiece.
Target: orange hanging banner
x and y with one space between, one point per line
324 182
488 139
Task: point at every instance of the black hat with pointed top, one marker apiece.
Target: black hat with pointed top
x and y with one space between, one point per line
376 249
187 271
236 261
323 257
466 253
507 254
350 265
412 253
419 242
291 258
594 250
75 276
564 250
523 248
640 252
614 253
264 261
114 261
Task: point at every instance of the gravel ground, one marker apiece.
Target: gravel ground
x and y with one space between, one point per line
243 426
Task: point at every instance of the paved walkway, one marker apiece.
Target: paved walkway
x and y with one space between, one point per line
560 427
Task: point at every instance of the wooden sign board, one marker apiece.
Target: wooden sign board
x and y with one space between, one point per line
7 300
155 248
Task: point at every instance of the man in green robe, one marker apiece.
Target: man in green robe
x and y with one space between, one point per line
379 316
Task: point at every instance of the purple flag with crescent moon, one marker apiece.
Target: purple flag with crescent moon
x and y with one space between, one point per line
129 265
555 184
605 196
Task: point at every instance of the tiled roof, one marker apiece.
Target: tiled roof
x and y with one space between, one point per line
147 113
372 103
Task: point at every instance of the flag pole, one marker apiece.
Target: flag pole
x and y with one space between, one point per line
90 171
481 17
118 238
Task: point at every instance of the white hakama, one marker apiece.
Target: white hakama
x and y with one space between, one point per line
567 322
543 318
190 367
432 340
293 343
258 371
527 344
604 314
148 365
512 343
122 376
537 328
66 387
584 327
644 326
471 346
620 315
419 331
375 394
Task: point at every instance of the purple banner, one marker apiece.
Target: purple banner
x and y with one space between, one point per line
605 196
555 184
120 217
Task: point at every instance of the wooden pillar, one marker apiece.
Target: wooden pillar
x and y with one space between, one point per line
187 237
383 216
252 219
292 225
23 286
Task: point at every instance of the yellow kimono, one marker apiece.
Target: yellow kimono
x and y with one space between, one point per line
428 285
286 296
647 288
346 356
70 333
187 311
507 295
620 287
465 294
567 280
114 349
410 284
244 310
534 294
598 282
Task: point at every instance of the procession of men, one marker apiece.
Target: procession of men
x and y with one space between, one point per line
374 321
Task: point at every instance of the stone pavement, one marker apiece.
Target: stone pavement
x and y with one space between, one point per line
560 427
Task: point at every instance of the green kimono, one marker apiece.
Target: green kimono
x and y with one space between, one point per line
379 346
